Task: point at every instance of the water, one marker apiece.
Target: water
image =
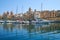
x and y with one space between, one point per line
30 31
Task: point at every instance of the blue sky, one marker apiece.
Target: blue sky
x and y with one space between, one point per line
11 5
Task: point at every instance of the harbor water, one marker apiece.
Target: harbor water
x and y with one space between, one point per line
49 31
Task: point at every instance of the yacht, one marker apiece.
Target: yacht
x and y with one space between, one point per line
41 21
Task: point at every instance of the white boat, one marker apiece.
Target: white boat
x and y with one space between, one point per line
41 21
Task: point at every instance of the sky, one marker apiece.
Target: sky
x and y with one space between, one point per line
24 5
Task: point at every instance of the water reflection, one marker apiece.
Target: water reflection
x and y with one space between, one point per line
32 28
8 27
29 31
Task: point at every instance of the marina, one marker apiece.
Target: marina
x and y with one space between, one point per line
29 20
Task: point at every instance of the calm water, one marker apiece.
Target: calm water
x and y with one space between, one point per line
30 31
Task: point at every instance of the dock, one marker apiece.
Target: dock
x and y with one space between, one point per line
27 22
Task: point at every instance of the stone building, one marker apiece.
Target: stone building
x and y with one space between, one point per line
44 14
48 14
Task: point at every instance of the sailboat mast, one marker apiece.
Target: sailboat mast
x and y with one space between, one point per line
17 9
22 11
41 6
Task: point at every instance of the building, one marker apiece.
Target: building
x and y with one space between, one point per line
36 14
